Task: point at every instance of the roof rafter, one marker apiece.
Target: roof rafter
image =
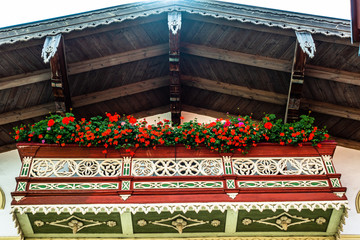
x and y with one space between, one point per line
271 97
84 66
270 63
87 99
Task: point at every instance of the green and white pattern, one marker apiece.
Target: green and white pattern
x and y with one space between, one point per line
25 167
179 185
328 163
282 184
230 183
227 164
125 185
21 187
335 182
73 186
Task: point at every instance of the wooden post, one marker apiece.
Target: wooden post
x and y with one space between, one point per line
54 51
174 23
304 46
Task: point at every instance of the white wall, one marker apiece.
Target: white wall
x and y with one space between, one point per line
10 165
346 161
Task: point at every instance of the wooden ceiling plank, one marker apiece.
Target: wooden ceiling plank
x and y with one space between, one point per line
270 63
26 113
234 90
174 24
331 109
271 97
116 59
112 93
236 57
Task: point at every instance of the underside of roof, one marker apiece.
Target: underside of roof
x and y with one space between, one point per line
232 59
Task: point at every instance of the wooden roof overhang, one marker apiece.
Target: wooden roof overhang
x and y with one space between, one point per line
228 58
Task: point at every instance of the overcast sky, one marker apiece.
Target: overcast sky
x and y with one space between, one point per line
13 12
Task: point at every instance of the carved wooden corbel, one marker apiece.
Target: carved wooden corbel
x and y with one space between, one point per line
174 24
54 52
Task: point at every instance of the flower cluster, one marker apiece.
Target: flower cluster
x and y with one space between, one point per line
223 135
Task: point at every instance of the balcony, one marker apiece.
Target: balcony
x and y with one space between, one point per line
173 192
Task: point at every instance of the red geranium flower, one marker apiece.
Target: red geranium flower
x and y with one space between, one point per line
51 122
268 125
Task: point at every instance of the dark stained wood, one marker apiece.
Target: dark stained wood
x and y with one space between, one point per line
59 79
292 111
174 24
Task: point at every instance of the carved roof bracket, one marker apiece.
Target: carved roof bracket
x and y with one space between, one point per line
306 43
174 24
50 47
54 52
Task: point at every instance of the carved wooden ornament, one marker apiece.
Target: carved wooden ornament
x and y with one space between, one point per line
306 43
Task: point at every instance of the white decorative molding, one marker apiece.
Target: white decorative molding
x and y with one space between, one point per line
279 166
339 194
306 43
142 167
125 196
182 207
232 195
55 167
178 185
18 198
174 22
27 160
50 47
283 184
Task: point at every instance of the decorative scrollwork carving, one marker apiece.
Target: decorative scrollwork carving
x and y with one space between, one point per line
42 168
143 167
110 168
278 166
88 168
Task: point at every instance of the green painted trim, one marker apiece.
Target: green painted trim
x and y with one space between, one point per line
334 221
25 224
126 223
10 238
231 221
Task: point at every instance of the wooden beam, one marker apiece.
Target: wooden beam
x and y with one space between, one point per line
236 57
54 51
271 97
7 147
270 63
87 99
331 109
292 112
174 24
331 74
205 111
347 143
119 58
129 89
23 79
26 113
234 90
84 66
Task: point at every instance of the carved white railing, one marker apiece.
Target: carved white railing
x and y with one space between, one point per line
178 167
141 167
76 167
279 166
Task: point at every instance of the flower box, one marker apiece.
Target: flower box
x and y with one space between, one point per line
76 186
